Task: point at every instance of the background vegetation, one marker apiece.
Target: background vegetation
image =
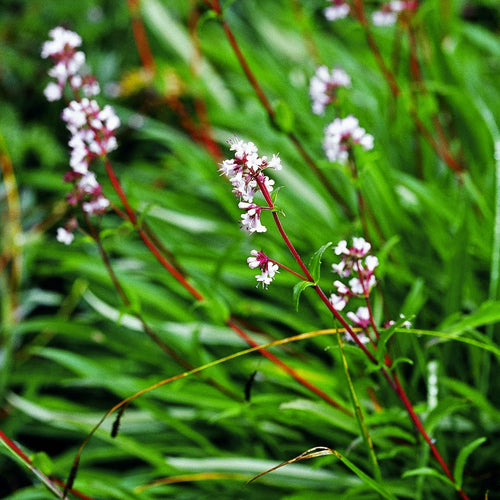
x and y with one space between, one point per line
70 347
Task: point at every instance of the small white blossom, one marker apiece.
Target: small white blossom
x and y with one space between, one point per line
361 318
371 262
323 86
61 38
53 92
338 301
268 269
338 10
360 247
341 135
341 248
65 236
381 18
267 275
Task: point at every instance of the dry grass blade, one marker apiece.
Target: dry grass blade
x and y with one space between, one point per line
317 451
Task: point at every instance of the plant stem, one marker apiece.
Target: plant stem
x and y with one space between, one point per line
270 111
147 329
391 377
199 296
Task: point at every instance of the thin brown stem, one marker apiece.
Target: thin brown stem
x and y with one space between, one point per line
440 148
147 329
271 113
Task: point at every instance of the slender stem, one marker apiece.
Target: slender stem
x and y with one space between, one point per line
198 295
418 424
286 268
391 377
271 113
133 219
140 37
147 329
442 150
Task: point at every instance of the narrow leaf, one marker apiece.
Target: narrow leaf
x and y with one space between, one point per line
315 262
462 457
298 289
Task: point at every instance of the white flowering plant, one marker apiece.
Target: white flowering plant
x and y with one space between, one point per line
241 236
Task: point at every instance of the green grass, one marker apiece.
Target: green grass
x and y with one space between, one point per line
71 349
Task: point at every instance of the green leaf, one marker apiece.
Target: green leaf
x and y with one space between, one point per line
298 289
427 471
379 488
43 463
489 312
315 262
283 117
462 457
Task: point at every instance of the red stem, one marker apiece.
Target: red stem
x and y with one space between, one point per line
287 369
441 149
270 111
391 377
198 296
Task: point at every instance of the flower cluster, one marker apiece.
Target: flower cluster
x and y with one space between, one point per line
323 87
245 172
92 128
389 12
338 10
340 136
68 63
267 267
386 16
356 262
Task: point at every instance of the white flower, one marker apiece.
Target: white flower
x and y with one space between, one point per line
338 301
65 236
361 318
96 206
323 86
53 91
384 18
243 148
341 248
341 134
275 163
338 10
356 286
371 262
360 246
267 275
61 39
250 221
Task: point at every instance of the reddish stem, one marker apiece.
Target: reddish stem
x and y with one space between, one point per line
441 149
141 39
197 295
287 369
20 453
271 113
391 377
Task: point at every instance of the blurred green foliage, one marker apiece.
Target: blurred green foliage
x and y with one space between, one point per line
70 349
